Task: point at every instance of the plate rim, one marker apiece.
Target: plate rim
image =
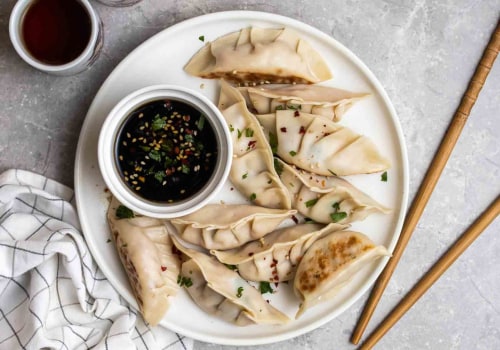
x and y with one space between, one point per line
311 30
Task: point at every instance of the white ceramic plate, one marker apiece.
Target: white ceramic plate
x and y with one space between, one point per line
160 60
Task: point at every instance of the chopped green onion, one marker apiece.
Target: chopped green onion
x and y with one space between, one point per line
244 176
253 196
248 132
239 293
293 153
201 38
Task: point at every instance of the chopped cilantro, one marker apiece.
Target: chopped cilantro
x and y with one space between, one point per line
155 155
248 132
185 169
231 128
265 287
201 122
239 293
159 176
158 123
383 177
244 176
184 281
231 267
336 206
122 212
311 202
338 216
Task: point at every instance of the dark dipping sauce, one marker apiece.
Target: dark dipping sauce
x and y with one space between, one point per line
56 31
166 151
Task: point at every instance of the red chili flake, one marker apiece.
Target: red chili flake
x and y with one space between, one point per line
327 133
188 131
276 278
302 130
188 152
250 254
267 301
251 144
185 161
106 190
187 118
231 188
163 268
283 129
276 284
294 218
177 150
297 113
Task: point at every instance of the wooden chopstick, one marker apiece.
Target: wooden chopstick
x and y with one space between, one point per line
434 273
431 177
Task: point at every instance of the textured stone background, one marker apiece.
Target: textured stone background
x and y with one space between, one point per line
423 52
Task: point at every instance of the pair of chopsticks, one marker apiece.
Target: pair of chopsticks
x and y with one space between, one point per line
419 203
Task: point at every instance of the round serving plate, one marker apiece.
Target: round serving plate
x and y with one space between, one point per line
160 60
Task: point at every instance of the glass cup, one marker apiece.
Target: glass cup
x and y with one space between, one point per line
119 3
83 61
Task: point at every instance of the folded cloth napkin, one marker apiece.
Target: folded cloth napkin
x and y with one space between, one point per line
52 293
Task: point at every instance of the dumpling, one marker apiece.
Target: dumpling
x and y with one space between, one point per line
326 199
330 263
220 226
260 55
252 170
317 144
223 293
275 257
315 99
145 250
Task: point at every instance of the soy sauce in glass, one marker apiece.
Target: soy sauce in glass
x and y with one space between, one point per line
56 32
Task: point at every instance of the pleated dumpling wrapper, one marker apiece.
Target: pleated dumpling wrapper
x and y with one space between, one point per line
314 99
317 144
226 226
274 258
221 292
260 55
330 263
145 250
326 199
252 169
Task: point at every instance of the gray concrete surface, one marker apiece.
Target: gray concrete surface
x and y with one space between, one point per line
423 52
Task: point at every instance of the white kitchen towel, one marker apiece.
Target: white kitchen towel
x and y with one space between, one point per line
52 293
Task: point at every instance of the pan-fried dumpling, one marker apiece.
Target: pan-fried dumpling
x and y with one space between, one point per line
326 199
252 170
275 257
220 226
260 55
315 99
319 145
223 293
330 263
145 250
